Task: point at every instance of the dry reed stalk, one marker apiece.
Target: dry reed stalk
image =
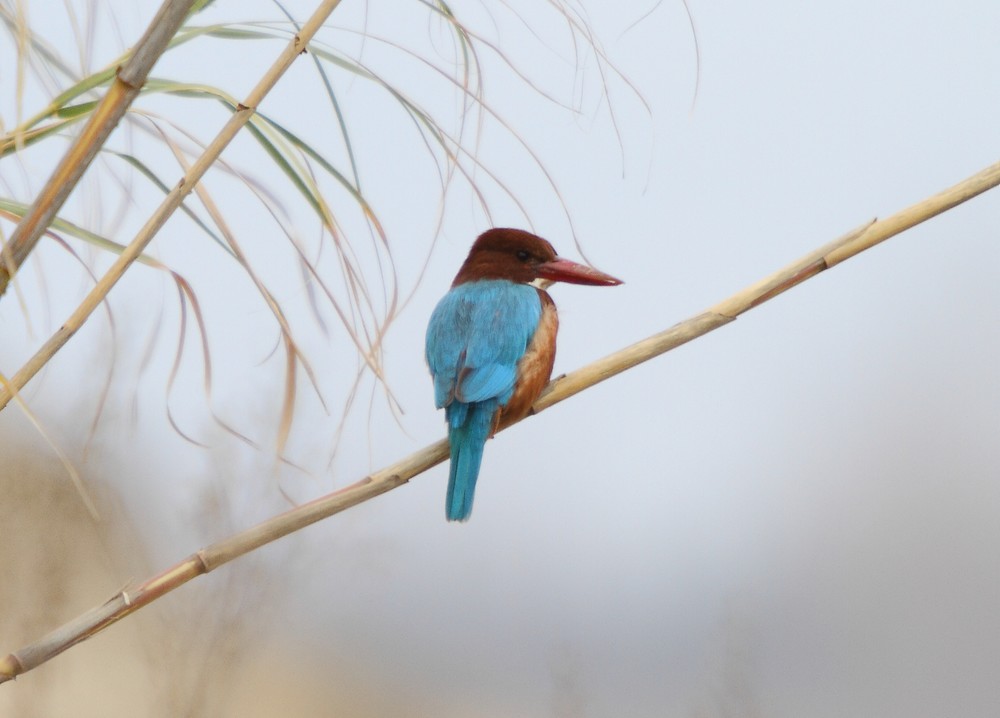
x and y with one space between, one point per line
217 554
125 87
170 203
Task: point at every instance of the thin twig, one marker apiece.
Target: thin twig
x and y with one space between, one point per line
172 201
217 554
125 87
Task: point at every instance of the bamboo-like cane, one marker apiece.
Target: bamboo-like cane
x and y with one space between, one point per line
211 557
125 87
170 204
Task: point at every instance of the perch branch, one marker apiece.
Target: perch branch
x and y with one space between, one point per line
211 557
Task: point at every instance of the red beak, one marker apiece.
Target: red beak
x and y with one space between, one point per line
563 270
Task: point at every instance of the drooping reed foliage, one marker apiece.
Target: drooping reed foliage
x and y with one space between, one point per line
147 114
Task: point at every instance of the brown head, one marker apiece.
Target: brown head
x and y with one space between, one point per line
520 256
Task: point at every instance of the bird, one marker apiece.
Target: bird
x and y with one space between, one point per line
491 344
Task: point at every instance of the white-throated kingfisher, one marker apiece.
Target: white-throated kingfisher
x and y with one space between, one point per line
491 343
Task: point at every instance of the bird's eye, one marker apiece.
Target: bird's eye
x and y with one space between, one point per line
523 255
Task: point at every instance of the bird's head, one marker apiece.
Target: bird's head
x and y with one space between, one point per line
520 256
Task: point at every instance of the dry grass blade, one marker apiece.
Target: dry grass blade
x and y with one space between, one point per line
128 82
222 552
170 204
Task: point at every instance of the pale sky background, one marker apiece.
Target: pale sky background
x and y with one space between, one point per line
797 515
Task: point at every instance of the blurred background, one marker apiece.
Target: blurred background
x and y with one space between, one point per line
798 514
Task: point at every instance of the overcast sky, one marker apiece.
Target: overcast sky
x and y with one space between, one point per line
798 514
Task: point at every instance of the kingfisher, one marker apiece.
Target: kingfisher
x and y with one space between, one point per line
491 344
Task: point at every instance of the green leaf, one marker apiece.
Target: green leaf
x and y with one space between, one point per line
18 210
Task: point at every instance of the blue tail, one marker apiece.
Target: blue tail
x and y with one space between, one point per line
468 428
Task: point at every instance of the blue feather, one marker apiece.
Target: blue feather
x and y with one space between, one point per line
477 334
467 440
